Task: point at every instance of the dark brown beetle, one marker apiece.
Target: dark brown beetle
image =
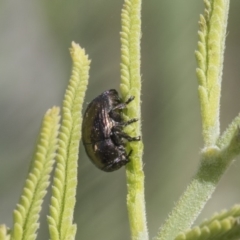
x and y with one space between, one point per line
102 131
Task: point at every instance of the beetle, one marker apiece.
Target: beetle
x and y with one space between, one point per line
102 131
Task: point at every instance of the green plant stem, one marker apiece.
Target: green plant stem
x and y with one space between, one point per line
26 215
210 55
131 85
213 164
215 158
64 188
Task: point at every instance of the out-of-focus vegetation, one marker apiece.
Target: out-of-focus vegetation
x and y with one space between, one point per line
34 71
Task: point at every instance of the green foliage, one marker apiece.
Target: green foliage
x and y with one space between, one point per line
65 178
222 226
131 85
216 156
26 214
229 134
218 152
209 56
4 233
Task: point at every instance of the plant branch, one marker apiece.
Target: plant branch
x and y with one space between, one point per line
131 85
216 155
63 199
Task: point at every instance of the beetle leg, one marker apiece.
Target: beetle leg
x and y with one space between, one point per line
123 105
116 114
129 154
124 124
129 100
130 139
118 134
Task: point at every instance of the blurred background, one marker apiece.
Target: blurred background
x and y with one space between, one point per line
34 71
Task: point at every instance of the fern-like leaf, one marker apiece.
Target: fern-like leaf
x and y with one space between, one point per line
229 134
26 214
209 56
214 161
65 177
222 226
4 232
131 85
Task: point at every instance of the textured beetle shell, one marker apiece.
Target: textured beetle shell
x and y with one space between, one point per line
96 132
